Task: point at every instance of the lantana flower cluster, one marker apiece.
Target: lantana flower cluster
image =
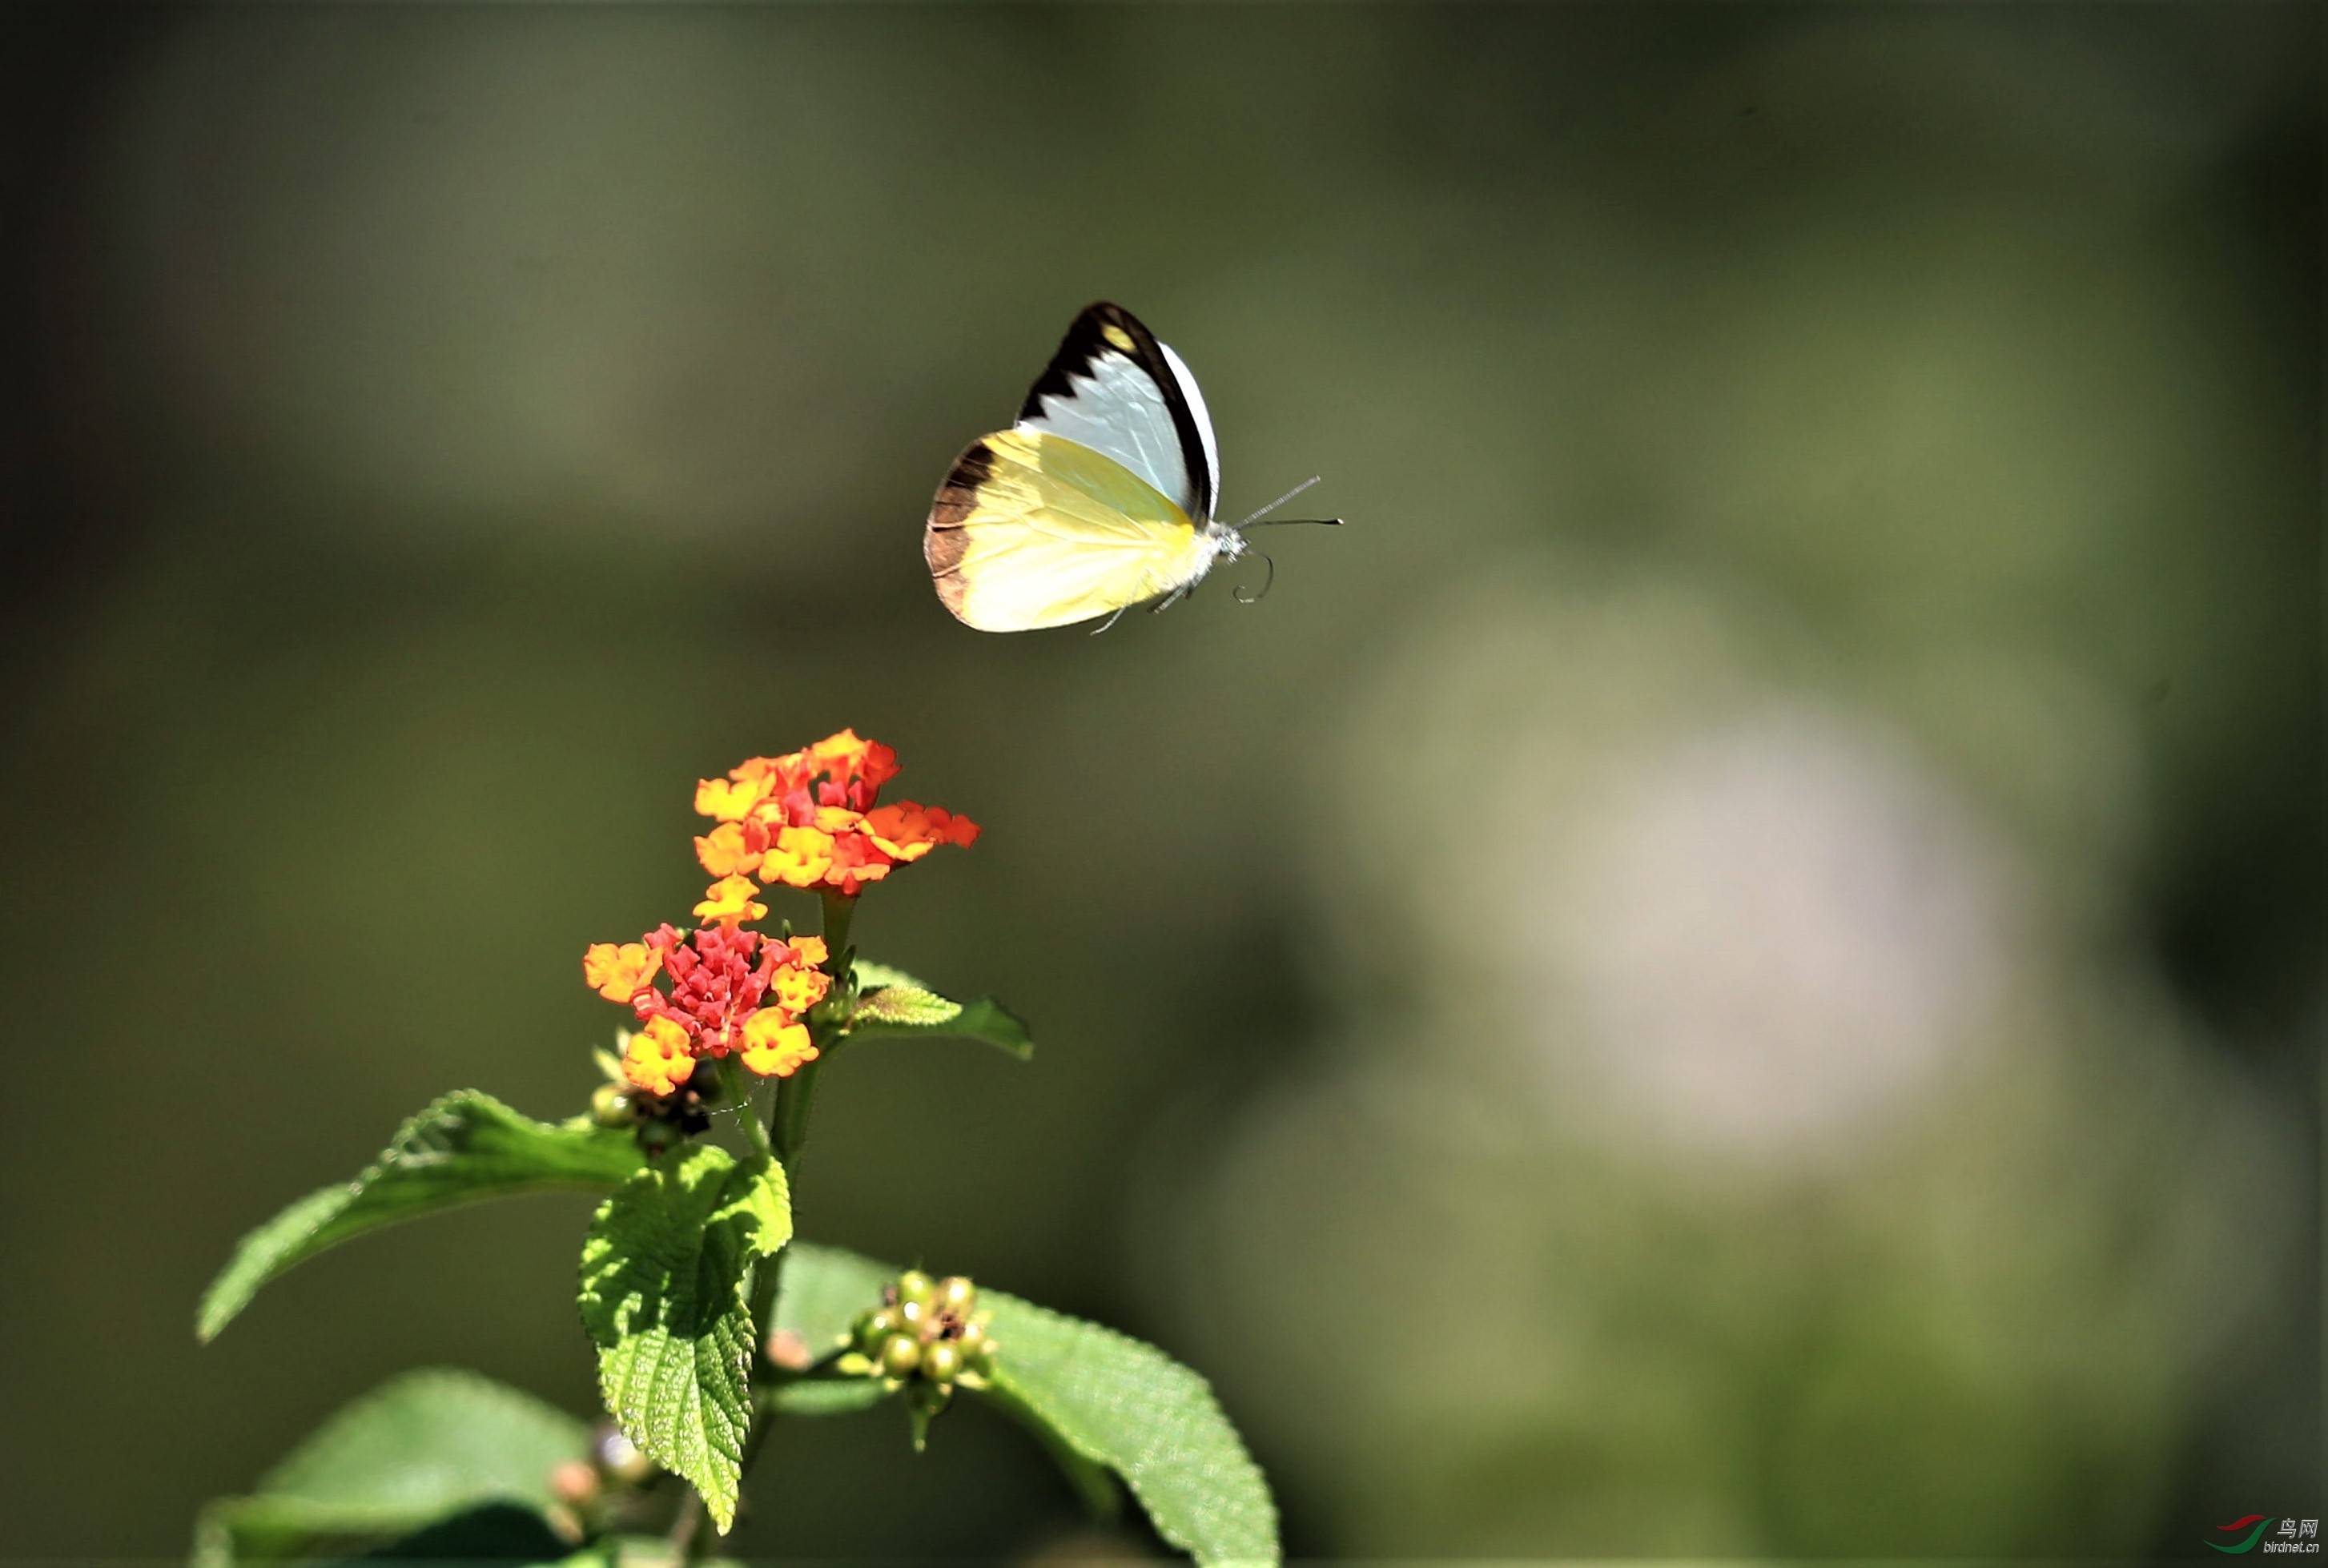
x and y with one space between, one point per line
807 820
810 819
732 991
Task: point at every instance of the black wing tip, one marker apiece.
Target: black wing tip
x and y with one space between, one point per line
1107 309
1087 339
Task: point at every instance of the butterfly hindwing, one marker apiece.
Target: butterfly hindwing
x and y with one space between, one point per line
1035 528
1115 389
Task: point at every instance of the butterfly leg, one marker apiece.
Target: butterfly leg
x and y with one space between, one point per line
1111 621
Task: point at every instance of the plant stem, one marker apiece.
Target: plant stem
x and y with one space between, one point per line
732 1080
839 908
787 1130
687 1527
796 1095
795 1098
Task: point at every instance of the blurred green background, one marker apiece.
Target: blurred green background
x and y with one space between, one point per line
1729 970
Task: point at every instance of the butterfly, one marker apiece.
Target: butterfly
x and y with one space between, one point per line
1100 497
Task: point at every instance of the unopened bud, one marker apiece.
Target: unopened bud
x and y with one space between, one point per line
956 1295
901 1356
941 1363
573 1481
610 1106
874 1328
915 1286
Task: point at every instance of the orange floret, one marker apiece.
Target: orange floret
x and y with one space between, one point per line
727 850
908 831
854 767
657 1058
809 951
798 990
856 859
801 857
619 973
775 775
728 902
775 1044
729 801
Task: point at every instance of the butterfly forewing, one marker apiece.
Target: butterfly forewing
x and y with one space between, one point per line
1186 381
1115 389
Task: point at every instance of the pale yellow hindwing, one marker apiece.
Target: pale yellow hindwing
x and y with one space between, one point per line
1032 529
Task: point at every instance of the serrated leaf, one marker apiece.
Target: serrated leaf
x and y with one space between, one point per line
665 1288
894 1003
904 1007
1110 1399
871 976
465 1148
1124 1403
418 1448
1093 1482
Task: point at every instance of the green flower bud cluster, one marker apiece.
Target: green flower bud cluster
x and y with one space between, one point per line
926 1336
660 1120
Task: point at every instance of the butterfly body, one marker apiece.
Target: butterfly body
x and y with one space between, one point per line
1099 498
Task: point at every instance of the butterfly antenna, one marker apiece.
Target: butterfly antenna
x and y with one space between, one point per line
1244 599
1281 501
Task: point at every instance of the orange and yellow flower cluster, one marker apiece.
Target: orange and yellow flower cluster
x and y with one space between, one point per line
809 820
732 991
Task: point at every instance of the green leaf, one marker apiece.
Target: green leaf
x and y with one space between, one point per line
416 1449
1124 1403
905 1007
824 1290
826 1396
646 1551
871 976
491 1532
665 1295
1091 1393
466 1147
894 1003
1093 1482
